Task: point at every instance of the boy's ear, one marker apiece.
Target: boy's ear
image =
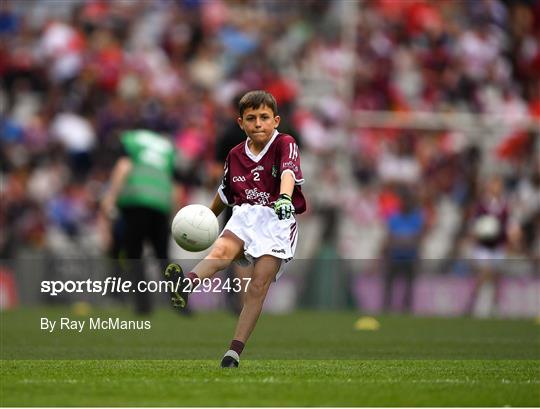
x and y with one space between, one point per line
277 119
239 122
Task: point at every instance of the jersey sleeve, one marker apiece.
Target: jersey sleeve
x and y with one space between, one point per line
224 189
290 159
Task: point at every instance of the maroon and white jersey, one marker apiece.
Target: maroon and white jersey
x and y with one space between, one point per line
255 179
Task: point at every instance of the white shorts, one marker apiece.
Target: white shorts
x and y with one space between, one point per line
486 257
263 233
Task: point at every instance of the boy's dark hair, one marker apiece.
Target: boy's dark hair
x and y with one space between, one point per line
256 99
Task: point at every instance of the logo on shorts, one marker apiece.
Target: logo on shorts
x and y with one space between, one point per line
282 251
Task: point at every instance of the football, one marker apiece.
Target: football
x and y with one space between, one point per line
486 227
195 227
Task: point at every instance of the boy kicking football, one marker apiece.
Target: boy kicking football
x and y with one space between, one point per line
261 181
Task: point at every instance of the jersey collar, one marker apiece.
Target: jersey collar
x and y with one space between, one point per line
257 158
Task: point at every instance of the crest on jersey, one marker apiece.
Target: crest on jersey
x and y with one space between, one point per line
274 171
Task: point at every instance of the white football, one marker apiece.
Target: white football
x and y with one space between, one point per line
486 227
195 227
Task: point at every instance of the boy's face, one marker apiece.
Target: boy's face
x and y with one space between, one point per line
259 123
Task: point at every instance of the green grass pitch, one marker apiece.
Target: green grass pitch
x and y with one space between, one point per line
300 359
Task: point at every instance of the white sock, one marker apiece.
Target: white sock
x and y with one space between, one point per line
232 354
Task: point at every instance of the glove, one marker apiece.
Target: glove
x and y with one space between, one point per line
284 207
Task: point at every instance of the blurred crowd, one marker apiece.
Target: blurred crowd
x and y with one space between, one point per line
75 74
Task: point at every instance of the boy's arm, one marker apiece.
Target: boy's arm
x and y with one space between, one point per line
283 206
287 184
217 205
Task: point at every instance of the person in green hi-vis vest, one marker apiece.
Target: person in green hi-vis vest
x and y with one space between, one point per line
142 188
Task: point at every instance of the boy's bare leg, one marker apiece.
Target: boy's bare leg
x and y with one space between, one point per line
226 248
243 272
264 273
224 251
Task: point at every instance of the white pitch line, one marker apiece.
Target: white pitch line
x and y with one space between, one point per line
37 381
273 380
